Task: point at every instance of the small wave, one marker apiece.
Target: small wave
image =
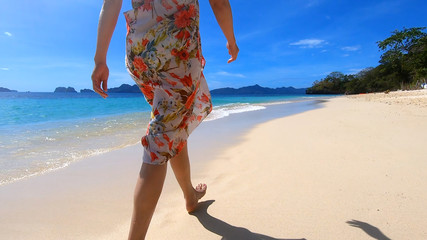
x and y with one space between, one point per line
227 109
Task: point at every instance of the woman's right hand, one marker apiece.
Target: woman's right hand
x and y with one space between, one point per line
100 78
233 50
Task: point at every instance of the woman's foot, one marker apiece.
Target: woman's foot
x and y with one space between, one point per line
199 192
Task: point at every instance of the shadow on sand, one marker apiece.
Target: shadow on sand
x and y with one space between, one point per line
368 229
225 230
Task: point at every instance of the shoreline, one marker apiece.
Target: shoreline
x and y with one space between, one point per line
36 150
73 191
349 167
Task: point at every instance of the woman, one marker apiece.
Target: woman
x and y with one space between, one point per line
163 56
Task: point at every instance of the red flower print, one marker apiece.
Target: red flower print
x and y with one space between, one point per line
158 142
174 52
171 83
144 141
135 73
166 5
183 34
147 5
199 118
139 64
180 146
170 94
184 55
174 75
159 19
204 98
187 80
144 42
147 91
191 10
153 156
183 18
156 112
165 136
170 145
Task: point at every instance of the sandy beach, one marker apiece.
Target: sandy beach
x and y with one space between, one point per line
353 169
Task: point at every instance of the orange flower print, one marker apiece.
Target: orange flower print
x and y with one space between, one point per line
204 98
139 64
180 146
147 91
156 112
199 118
190 100
153 157
187 81
174 75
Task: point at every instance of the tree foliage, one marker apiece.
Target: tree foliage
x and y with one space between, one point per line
403 64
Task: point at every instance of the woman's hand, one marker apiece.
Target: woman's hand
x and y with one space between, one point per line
233 50
100 78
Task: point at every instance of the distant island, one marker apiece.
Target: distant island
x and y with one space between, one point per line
2 89
65 90
125 88
257 90
86 91
248 90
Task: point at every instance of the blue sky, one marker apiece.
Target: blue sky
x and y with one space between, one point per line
50 43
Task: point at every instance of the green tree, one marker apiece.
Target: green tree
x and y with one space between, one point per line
405 54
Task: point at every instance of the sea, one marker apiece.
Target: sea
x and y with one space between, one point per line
42 132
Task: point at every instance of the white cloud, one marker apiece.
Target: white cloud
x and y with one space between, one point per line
309 43
354 70
351 48
8 34
4 69
228 74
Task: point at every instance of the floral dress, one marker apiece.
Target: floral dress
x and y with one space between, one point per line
164 57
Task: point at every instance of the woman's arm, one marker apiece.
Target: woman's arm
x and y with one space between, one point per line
106 25
224 17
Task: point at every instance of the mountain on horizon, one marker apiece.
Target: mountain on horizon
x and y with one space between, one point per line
257 90
248 90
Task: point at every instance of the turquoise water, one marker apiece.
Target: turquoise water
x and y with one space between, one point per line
42 132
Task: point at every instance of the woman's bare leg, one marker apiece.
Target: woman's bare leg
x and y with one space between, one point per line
181 168
147 193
